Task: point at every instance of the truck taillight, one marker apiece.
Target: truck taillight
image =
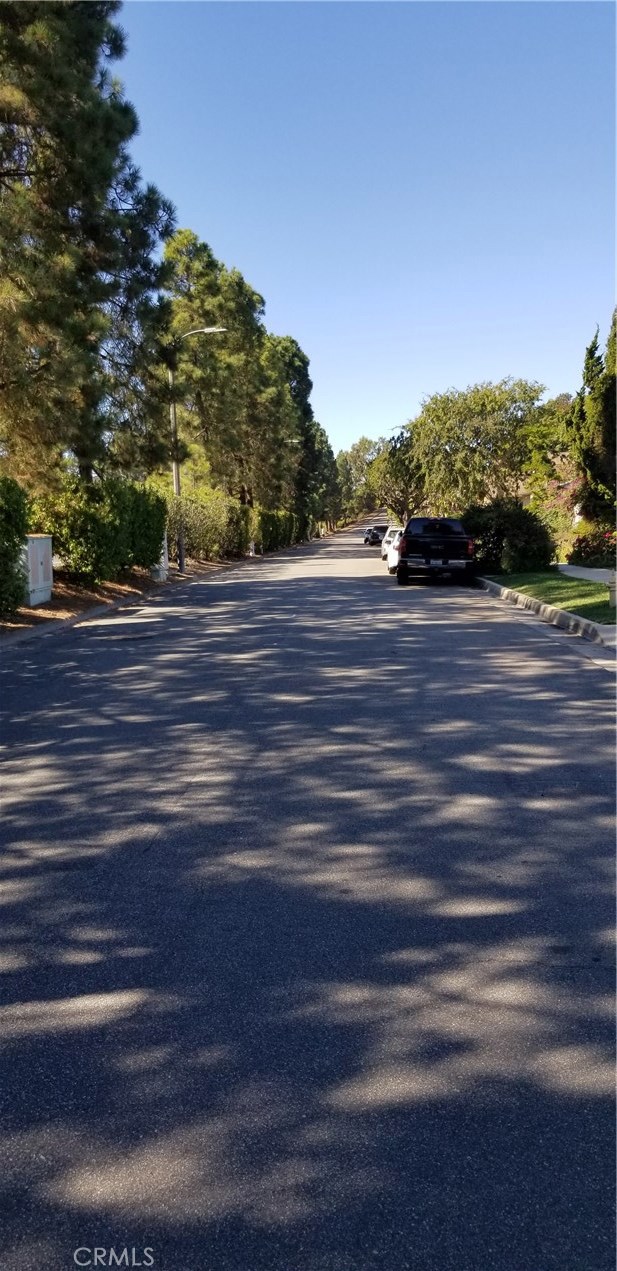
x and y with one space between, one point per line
401 547
470 547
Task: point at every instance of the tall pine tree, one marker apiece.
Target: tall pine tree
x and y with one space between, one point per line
316 485
79 316
217 377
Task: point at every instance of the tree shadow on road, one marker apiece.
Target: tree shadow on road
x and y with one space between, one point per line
305 961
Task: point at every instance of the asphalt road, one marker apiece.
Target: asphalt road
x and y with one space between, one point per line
306 953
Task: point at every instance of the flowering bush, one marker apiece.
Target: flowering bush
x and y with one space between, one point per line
595 548
555 504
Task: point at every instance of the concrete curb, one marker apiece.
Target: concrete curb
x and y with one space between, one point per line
51 626
548 613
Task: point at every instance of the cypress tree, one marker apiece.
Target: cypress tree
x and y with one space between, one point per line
591 428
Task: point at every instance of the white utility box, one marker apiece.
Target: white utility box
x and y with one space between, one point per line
37 567
160 571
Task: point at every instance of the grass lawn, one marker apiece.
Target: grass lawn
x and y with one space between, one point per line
576 595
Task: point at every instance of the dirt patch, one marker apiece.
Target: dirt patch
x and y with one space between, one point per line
70 601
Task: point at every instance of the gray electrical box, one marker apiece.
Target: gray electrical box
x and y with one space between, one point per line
37 567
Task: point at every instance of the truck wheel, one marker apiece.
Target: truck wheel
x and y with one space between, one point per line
402 577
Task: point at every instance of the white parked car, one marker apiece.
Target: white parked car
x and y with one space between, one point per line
392 553
388 539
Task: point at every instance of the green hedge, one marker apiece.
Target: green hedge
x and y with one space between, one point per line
102 528
147 514
217 525
509 538
213 527
273 530
13 530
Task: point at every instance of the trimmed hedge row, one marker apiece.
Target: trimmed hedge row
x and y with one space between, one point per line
273 530
220 526
212 527
101 528
509 538
13 530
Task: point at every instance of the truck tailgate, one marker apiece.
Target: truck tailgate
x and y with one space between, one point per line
437 547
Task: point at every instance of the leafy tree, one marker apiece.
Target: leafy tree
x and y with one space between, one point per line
547 443
353 466
327 497
396 478
471 445
345 483
79 316
591 428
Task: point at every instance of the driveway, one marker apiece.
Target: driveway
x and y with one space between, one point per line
587 571
306 952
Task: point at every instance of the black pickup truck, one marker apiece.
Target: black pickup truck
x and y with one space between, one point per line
433 545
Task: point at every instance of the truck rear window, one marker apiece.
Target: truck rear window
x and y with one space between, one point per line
426 525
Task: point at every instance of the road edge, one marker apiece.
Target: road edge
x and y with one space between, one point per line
55 626
556 617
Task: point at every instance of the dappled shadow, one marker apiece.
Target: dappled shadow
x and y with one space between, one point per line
306 959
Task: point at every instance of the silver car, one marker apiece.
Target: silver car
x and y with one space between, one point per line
388 539
392 553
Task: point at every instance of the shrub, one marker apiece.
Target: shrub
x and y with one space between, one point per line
101 528
147 517
558 518
596 547
221 526
81 532
203 525
214 526
274 530
509 538
237 532
13 530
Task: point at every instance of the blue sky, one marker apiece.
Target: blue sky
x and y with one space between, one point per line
422 192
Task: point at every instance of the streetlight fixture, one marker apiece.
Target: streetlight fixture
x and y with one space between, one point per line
175 466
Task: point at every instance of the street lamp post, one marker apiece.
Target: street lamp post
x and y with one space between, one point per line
175 466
